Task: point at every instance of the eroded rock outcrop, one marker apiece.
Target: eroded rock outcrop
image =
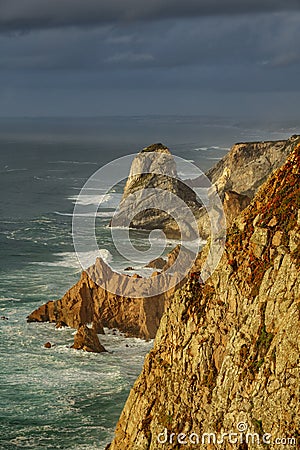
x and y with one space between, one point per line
155 168
87 339
86 302
157 263
227 352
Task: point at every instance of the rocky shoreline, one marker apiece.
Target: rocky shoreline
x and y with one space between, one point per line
87 303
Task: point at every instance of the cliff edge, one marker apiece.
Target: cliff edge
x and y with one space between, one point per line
239 174
248 165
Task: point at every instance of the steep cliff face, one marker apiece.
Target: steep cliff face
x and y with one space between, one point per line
226 355
247 166
234 204
240 173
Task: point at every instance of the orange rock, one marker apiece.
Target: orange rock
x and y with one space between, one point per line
277 238
273 222
87 303
154 274
233 204
86 339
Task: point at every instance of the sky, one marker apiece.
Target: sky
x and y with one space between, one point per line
228 58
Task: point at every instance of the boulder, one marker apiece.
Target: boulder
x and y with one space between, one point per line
86 339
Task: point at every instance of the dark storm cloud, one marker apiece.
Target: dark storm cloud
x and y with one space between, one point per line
35 14
187 43
111 57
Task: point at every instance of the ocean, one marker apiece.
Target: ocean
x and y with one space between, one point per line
60 398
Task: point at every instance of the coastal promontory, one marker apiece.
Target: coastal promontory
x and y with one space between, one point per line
226 356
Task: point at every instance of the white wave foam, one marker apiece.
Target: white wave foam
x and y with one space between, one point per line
109 200
5 299
7 169
188 175
70 259
216 147
212 147
99 214
204 149
89 199
98 189
73 162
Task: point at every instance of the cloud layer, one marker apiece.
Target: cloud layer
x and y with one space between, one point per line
126 56
36 14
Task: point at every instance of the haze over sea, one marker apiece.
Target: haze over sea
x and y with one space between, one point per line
61 398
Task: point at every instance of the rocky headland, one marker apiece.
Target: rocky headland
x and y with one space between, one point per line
247 166
239 174
226 354
88 303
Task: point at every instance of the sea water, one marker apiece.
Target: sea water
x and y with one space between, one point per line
60 398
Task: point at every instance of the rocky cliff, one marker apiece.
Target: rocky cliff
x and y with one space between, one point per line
86 302
248 165
154 168
226 355
240 173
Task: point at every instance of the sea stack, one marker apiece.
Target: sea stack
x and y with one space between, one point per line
154 168
87 339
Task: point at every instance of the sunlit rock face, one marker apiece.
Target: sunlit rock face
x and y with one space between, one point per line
154 168
227 352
